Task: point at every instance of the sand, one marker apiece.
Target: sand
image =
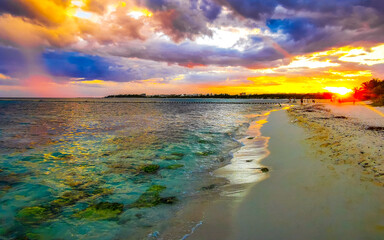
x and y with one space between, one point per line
360 112
317 186
346 134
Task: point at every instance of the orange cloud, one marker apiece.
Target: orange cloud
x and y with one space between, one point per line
15 30
191 65
5 77
63 23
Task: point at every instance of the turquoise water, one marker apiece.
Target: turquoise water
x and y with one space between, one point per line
107 168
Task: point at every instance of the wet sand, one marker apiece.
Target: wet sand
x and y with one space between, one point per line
305 197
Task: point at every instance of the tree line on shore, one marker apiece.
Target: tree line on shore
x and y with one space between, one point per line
371 90
325 95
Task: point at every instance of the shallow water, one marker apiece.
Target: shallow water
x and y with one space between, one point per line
62 156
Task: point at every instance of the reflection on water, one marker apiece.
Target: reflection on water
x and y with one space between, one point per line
107 169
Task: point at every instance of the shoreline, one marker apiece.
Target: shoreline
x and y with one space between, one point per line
304 191
231 180
245 165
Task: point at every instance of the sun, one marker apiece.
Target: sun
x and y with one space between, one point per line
339 90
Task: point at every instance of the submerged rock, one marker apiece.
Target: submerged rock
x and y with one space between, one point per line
102 191
150 168
140 179
168 200
205 153
175 166
203 141
173 156
178 154
209 187
156 188
10 179
70 198
152 198
33 236
264 169
35 215
101 211
40 214
122 167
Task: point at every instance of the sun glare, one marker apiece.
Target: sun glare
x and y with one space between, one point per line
338 90
138 13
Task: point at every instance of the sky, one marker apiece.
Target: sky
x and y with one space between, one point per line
93 48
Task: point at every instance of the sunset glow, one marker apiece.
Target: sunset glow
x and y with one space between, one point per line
339 90
217 47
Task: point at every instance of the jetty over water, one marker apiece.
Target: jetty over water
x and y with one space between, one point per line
199 102
173 101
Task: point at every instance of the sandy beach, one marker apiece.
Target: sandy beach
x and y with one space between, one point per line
325 180
346 134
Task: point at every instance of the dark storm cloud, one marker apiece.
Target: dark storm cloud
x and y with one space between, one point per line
13 7
210 9
155 5
257 9
89 67
191 53
180 25
12 62
316 25
182 20
79 66
254 9
60 64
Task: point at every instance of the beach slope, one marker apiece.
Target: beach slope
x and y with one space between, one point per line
305 197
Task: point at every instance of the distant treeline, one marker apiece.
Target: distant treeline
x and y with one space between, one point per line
371 90
240 96
127 96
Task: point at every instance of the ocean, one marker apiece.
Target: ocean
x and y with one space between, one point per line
113 168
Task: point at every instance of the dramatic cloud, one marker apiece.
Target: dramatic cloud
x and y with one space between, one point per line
212 45
190 53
